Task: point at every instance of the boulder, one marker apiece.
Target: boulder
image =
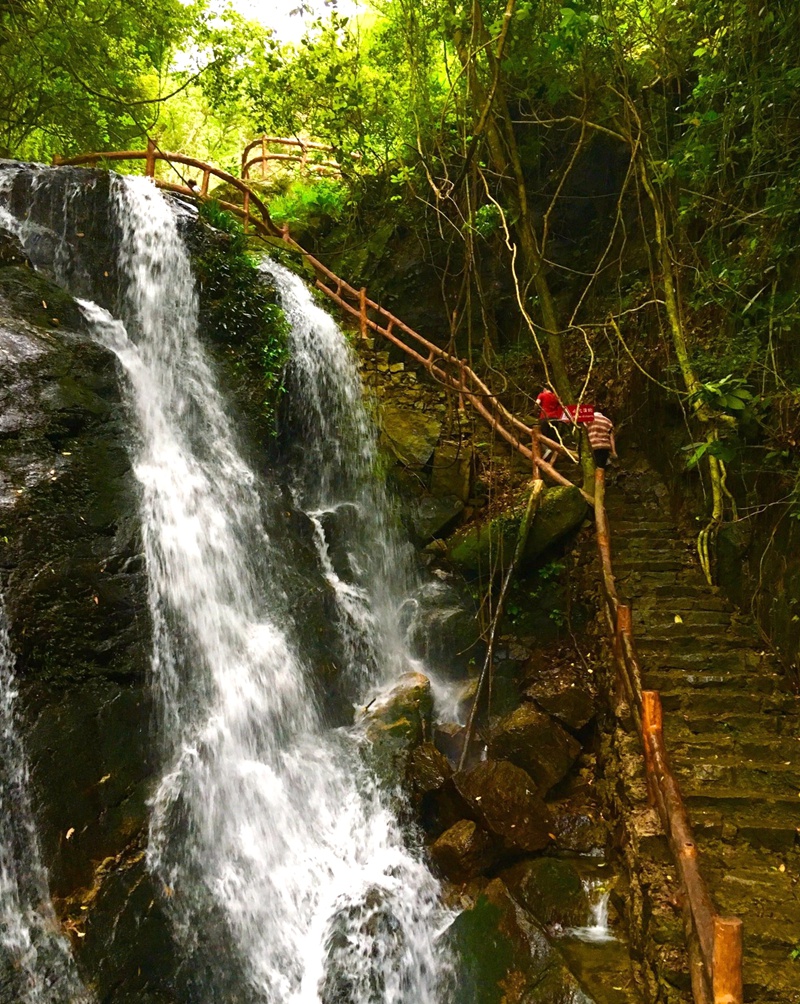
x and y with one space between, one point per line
504 957
478 548
452 469
565 695
578 826
535 742
433 515
551 889
504 799
448 737
396 724
428 769
463 851
409 434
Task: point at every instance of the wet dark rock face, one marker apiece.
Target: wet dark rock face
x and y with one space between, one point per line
76 596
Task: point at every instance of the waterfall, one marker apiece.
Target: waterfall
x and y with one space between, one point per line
597 930
35 962
274 844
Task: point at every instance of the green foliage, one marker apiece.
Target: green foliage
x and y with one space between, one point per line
78 75
730 394
237 306
310 203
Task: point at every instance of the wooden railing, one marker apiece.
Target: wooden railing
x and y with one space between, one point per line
262 223
716 940
307 159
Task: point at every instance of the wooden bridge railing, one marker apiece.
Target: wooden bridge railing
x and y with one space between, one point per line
306 159
715 939
718 940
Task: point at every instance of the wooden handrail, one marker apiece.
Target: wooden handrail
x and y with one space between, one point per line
719 939
298 144
152 154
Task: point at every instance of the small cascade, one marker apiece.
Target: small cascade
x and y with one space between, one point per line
597 930
36 966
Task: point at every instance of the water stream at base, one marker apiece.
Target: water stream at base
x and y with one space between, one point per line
271 837
35 962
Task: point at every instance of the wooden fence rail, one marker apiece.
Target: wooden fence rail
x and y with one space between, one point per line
302 159
718 980
716 940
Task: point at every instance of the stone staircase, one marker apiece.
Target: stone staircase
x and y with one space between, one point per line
733 733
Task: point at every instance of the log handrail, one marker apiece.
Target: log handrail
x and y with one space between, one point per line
304 146
153 154
718 939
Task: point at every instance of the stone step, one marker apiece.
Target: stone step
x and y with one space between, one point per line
728 659
694 618
728 685
684 604
624 566
720 704
719 726
757 780
755 744
686 635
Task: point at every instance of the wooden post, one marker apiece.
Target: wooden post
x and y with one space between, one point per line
246 211
536 454
362 306
204 186
727 975
652 726
150 162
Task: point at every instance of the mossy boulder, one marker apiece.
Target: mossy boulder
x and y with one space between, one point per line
505 801
409 433
395 725
563 693
463 851
504 956
479 548
551 889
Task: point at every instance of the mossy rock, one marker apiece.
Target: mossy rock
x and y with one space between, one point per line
479 548
35 299
551 889
396 725
504 957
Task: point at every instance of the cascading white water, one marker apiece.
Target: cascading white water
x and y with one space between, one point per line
336 484
376 591
266 829
34 956
597 930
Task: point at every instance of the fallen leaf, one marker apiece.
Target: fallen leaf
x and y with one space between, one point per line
104 779
70 831
96 599
678 619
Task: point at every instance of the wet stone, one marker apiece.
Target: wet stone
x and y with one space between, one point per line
505 800
536 743
463 851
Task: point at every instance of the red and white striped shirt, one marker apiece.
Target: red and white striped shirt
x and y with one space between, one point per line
601 432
